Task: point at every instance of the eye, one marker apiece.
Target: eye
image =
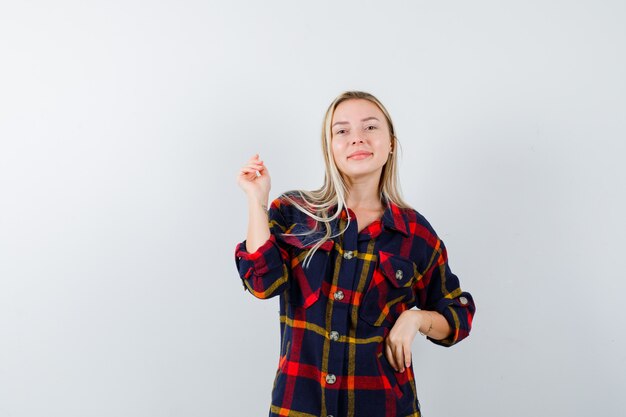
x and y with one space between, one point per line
340 132
371 127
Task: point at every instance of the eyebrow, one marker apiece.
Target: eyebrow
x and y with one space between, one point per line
363 120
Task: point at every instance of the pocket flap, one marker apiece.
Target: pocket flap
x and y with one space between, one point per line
398 270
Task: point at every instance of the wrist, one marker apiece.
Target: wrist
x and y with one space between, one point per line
254 201
426 323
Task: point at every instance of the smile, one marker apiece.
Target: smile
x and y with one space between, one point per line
360 155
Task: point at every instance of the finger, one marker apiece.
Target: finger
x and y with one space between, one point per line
247 170
399 357
253 164
407 355
252 169
390 358
249 174
258 171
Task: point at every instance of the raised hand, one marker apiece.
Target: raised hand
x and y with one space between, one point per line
254 180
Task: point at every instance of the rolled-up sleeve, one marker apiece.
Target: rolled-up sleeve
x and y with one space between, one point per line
444 295
265 272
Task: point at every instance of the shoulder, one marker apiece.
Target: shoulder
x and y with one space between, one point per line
418 226
291 213
288 206
287 201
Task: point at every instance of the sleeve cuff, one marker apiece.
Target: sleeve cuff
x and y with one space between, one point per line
266 258
458 312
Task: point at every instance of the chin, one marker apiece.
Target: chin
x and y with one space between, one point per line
354 174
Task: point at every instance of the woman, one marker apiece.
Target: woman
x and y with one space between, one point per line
358 271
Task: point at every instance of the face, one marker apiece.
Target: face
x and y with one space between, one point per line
361 140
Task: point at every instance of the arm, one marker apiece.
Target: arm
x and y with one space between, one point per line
258 225
400 339
443 295
431 324
254 180
446 312
261 262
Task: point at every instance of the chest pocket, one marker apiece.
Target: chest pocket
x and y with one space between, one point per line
306 282
390 290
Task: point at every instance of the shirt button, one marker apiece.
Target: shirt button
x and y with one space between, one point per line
348 254
399 274
331 378
338 295
463 300
334 336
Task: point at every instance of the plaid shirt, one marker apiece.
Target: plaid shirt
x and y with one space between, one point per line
336 313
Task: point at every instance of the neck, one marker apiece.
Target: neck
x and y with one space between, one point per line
363 194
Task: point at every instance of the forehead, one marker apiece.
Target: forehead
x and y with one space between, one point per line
357 109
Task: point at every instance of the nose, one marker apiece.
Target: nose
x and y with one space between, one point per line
357 139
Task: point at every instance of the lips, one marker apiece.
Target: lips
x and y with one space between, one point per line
359 155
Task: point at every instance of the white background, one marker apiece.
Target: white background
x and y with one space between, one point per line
123 124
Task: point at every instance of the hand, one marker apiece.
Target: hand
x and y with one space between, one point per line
255 186
400 338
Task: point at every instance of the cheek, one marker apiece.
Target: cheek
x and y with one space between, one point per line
383 144
387 146
336 148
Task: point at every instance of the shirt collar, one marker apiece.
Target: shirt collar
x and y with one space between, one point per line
392 219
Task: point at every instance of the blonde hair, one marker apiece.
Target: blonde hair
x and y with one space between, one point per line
317 203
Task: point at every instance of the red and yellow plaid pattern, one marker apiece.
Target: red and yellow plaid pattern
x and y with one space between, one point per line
336 312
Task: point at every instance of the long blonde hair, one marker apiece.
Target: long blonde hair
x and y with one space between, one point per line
317 203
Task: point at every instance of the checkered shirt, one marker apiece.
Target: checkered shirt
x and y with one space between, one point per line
336 312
